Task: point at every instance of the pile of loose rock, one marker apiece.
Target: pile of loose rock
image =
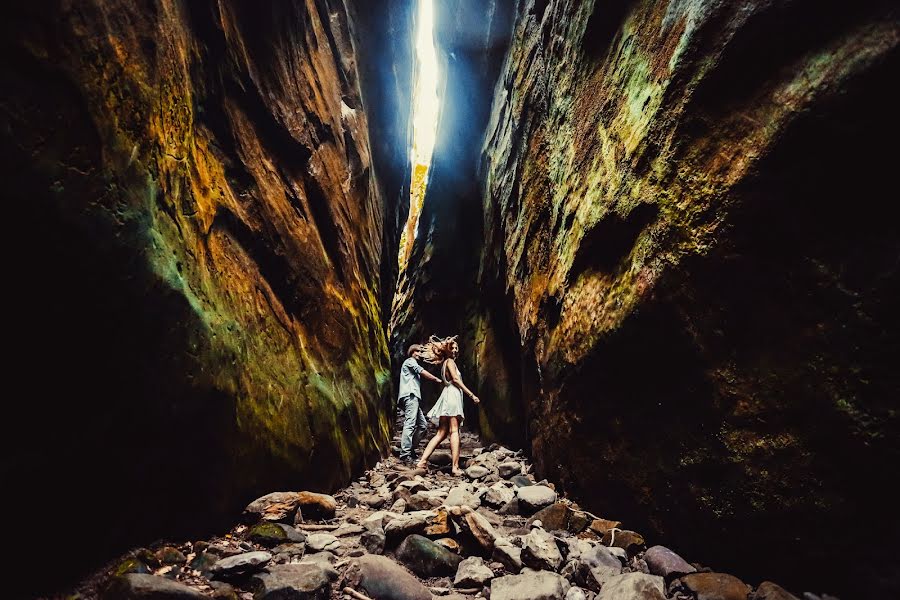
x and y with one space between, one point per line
403 534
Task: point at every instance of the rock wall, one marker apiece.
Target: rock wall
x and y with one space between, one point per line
199 242
688 224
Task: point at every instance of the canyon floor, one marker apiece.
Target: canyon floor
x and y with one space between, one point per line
401 533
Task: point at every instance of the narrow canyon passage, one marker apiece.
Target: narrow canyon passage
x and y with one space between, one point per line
664 232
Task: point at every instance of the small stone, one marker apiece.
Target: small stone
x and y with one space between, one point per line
535 497
554 517
540 551
509 469
575 593
223 591
373 541
420 501
240 564
439 524
472 573
268 533
374 501
170 556
498 495
630 541
448 543
530 585
427 559
204 562
477 472
318 542
461 495
398 506
633 586
348 529
510 508
665 563
770 591
140 586
380 577
715 586
407 524
277 506
316 506
601 526
131 565
521 481
481 529
441 459
508 554
302 581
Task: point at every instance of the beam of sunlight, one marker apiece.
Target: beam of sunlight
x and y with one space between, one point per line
425 110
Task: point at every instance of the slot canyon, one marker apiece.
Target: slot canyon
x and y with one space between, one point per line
664 232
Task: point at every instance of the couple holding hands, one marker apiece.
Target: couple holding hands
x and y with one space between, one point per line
447 412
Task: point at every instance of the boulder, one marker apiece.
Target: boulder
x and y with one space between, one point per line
240 564
426 558
141 586
380 577
302 581
665 563
315 506
472 573
534 497
530 585
715 586
268 533
633 586
770 591
277 506
539 551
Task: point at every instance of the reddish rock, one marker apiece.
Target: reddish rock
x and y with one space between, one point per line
770 591
715 586
665 563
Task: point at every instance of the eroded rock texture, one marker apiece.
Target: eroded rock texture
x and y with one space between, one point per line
688 206
199 262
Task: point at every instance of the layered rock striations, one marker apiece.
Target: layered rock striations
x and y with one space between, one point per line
200 267
687 211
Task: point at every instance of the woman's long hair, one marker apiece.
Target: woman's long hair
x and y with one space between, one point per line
437 350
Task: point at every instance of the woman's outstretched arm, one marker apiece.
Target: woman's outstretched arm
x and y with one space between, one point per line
457 381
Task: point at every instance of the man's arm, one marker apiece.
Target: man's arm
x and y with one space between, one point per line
421 371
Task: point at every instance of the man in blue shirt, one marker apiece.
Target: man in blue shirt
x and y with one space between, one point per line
409 396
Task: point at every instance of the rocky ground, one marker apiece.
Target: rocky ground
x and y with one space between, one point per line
399 533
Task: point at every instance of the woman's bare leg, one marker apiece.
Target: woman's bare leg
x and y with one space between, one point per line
454 444
437 439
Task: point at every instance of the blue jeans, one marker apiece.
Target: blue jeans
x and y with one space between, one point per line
414 425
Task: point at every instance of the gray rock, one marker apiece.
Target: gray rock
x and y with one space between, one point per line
399 506
268 533
540 552
373 541
534 497
240 564
510 508
141 586
348 529
509 469
633 586
576 593
530 585
521 481
472 573
380 577
599 556
508 554
302 581
318 542
477 472
461 495
427 559
665 563
498 495
406 524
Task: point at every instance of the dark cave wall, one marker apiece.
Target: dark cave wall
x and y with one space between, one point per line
690 259
201 264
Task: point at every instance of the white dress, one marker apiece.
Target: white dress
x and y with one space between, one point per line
449 404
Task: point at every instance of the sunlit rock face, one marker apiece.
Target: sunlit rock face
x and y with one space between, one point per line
438 287
688 206
200 279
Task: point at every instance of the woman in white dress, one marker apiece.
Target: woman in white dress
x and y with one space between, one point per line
447 412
